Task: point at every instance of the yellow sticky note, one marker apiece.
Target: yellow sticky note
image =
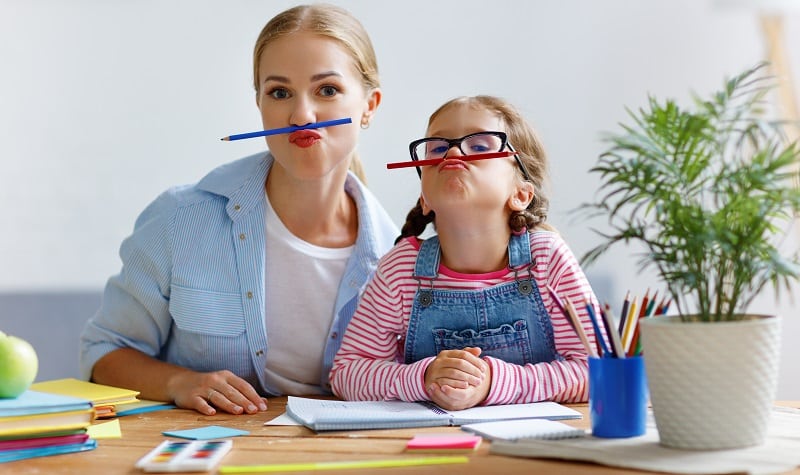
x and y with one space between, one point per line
105 430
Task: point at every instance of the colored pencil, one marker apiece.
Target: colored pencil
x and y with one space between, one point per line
636 342
629 322
342 465
651 306
286 130
572 319
624 313
665 309
645 300
558 302
635 347
660 306
573 314
603 350
613 335
436 161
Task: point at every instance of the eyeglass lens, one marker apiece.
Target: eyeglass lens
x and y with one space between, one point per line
469 145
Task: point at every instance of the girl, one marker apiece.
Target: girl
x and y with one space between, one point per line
461 318
213 307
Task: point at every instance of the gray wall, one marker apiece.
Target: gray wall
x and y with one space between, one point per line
103 104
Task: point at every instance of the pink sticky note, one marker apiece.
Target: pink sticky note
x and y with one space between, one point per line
444 443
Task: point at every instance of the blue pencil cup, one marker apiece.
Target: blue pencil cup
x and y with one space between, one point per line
617 396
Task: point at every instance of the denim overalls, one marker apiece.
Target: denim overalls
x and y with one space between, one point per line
507 321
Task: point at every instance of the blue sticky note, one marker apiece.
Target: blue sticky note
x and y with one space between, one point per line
206 433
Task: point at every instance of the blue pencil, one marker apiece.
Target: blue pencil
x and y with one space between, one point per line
598 334
287 130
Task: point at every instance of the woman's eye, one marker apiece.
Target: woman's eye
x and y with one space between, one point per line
328 91
278 93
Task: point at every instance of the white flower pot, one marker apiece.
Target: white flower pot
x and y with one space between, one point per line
712 385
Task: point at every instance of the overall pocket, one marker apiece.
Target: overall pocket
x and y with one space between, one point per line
508 342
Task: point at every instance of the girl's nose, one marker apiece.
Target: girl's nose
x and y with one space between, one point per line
454 150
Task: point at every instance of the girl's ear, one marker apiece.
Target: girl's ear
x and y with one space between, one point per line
424 205
521 197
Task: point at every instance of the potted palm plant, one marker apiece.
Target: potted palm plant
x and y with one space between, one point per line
707 193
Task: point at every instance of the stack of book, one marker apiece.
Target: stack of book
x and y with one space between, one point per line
107 400
36 424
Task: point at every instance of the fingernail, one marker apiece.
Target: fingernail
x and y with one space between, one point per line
237 409
262 406
251 408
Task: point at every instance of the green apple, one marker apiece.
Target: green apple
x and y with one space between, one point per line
18 365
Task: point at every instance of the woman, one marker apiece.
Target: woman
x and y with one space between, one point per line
242 284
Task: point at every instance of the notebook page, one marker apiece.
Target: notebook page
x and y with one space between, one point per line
534 410
524 429
322 414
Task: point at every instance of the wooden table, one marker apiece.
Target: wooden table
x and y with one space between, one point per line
291 444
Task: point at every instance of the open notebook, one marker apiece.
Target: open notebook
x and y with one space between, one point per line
523 429
321 415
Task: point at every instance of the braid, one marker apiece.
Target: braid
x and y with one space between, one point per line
532 217
416 222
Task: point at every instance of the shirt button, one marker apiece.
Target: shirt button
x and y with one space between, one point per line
237 207
334 335
242 236
259 352
249 295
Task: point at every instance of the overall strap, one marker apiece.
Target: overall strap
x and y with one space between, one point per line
519 250
427 264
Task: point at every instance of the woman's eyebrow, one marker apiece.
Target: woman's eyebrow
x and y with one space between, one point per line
326 74
315 77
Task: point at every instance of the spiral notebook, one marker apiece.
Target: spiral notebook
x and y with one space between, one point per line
320 415
524 429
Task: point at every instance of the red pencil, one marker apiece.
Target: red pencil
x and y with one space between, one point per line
436 161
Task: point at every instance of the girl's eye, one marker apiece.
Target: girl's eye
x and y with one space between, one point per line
328 91
278 93
479 148
438 150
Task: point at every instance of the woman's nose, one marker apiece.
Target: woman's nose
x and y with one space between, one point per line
302 113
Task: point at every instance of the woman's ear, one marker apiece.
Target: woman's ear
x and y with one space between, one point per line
373 101
521 197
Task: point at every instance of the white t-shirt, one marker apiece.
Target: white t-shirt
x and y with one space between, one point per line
302 281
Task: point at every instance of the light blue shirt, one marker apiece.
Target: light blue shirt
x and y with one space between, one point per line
191 288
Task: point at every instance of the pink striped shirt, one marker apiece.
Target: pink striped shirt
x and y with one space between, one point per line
369 364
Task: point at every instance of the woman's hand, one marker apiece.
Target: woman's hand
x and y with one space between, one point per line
207 392
458 379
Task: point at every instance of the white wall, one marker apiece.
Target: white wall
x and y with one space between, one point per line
103 104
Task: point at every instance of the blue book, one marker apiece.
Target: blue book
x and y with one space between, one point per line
21 454
35 402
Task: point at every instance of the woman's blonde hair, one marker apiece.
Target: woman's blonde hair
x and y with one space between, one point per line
525 142
330 21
